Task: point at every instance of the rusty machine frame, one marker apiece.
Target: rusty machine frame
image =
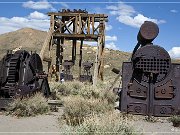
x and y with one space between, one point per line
75 25
150 82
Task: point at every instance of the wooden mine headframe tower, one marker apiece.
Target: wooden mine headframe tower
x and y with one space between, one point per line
75 25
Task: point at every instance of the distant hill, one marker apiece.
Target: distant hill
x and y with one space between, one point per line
32 40
29 39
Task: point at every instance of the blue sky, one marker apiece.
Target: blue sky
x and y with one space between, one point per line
125 18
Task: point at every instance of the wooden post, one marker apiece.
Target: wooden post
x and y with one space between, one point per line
101 50
73 51
96 65
93 25
58 55
48 38
80 57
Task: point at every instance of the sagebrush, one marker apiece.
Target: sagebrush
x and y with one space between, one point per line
77 108
108 123
31 106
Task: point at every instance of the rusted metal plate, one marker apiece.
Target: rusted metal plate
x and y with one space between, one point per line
177 71
148 32
137 90
4 102
150 82
165 91
137 108
85 78
163 110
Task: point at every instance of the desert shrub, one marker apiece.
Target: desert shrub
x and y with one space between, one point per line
31 106
84 90
78 108
175 120
108 123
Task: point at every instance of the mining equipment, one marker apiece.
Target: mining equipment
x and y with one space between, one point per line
150 82
21 74
86 76
67 28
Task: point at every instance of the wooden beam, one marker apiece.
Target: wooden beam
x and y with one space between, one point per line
77 14
88 27
46 43
80 57
58 55
96 66
92 25
80 25
65 35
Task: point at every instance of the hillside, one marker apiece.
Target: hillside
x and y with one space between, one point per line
32 40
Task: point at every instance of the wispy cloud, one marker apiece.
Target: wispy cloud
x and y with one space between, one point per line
175 52
108 27
173 11
34 20
111 45
126 14
111 38
38 5
37 15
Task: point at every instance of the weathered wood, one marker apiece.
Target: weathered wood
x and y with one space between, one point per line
46 43
96 64
92 25
80 25
80 57
83 25
77 14
47 59
65 35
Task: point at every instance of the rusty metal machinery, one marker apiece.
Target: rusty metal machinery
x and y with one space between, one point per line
21 74
87 76
150 82
67 64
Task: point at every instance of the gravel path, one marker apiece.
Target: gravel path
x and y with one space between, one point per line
42 124
156 128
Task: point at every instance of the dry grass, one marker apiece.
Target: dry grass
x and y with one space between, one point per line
83 89
77 108
26 107
108 123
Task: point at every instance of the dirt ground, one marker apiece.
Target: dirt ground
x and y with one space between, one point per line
48 124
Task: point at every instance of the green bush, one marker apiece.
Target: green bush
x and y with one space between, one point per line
175 120
108 123
29 106
78 108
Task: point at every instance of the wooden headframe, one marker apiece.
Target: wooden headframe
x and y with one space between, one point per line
75 25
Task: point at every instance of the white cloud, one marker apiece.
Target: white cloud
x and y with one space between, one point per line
128 15
15 23
37 15
108 27
174 52
110 38
111 45
90 43
174 11
42 4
